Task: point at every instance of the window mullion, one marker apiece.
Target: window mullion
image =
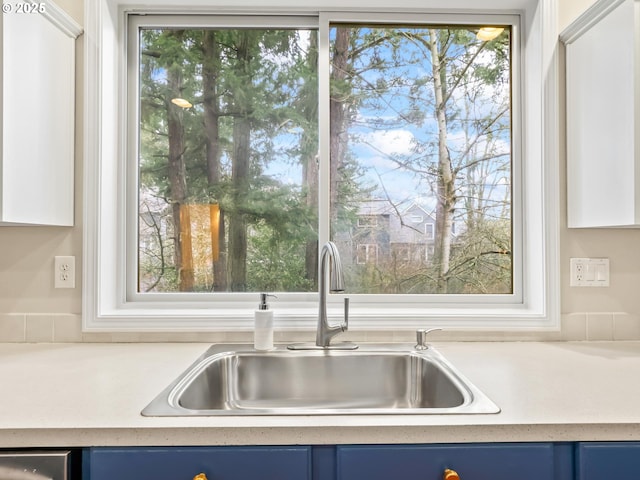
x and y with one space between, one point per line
324 180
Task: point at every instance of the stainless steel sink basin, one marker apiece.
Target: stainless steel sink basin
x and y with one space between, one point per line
380 379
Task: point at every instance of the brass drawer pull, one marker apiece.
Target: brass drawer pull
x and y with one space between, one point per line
449 475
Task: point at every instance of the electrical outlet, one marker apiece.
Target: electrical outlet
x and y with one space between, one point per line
589 272
64 272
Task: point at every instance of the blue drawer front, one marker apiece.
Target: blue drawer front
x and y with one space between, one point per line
218 463
608 460
537 461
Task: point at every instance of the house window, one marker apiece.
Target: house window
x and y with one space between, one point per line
252 138
428 252
367 254
428 230
367 221
402 254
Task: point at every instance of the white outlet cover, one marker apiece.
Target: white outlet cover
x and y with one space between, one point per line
589 272
64 272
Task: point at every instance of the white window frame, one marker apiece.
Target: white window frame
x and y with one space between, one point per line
106 306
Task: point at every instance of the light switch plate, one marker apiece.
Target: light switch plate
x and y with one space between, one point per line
589 272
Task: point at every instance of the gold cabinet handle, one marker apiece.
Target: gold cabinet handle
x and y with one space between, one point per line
200 476
449 475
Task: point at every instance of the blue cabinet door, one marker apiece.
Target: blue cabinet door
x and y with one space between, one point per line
217 463
608 460
526 461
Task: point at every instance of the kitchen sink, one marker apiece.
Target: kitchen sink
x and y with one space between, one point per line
375 379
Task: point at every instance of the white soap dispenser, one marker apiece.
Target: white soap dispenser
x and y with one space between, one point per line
263 331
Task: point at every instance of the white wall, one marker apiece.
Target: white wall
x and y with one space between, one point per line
31 309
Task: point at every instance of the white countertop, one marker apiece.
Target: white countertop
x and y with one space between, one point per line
92 394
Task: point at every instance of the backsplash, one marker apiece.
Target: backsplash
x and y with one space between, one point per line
67 328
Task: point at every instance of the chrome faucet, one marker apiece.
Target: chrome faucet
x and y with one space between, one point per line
330 259
331 267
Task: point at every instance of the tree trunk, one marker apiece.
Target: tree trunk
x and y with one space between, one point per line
237 221
337 114
310 161
311 248
210 77
445 179
240 172
177 181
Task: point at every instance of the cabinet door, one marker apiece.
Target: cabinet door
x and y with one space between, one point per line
602 114
608 460
37 106
217 463
536 461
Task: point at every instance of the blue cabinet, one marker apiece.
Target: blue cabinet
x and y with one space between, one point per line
607 460
507 461
492 461
184 463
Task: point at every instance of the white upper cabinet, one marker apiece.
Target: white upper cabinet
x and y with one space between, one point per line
38 114
603 141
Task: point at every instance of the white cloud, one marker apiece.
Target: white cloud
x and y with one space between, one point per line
390 142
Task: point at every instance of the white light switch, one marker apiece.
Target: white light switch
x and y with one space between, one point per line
589 272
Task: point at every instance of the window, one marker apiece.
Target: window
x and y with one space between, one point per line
428 230
367 221
223 143
367 254
226 128
402 253
428 253
424 112
224 131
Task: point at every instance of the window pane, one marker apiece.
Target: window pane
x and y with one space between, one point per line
421 158
227 160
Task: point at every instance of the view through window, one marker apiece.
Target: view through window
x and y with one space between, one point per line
420 197
421 158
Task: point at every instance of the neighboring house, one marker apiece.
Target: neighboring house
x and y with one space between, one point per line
384 233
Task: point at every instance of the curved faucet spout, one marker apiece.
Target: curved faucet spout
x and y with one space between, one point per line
336 276
331 266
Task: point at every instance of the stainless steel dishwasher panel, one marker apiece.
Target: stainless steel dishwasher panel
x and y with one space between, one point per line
34 465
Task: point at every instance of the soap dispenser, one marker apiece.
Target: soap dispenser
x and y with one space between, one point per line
263 328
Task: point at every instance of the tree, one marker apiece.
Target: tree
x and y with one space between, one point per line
211 71
308 107
170 58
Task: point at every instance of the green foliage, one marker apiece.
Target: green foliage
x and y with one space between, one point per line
265 76
276 260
